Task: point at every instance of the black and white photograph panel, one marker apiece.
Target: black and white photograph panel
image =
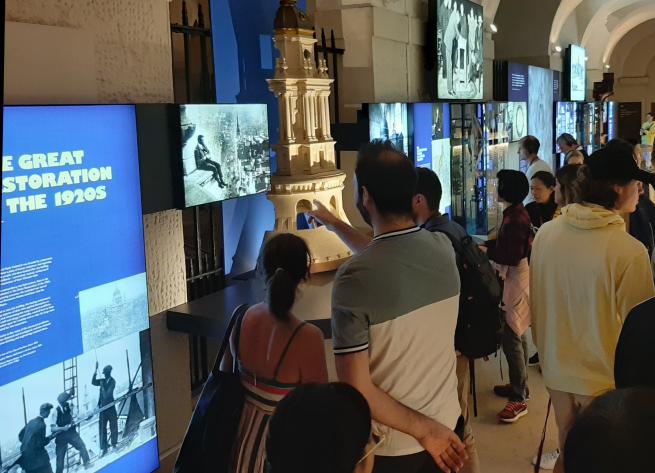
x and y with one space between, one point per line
460 53
225 151
540 110
111 311
82 414
389 121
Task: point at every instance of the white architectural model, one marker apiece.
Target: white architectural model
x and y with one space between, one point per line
306 165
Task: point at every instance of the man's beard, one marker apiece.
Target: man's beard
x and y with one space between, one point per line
362 210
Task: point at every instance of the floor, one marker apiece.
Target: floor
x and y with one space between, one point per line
509 448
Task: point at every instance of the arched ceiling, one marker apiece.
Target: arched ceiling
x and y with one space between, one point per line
633 54
600 24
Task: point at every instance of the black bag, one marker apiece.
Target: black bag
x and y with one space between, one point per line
209 440
481 293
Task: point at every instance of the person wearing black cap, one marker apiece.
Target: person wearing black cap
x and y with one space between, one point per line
202 156
586 275
66 432
33 440
510 254
108 414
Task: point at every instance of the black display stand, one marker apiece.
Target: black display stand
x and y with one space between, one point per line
209 316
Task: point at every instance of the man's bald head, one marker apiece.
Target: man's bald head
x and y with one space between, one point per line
389 177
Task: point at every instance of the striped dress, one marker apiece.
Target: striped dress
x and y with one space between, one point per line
262 396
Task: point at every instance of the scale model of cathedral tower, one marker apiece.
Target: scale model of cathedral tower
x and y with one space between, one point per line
306 164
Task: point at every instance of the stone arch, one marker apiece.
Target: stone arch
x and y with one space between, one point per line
642 15
334 204
303 205
627 58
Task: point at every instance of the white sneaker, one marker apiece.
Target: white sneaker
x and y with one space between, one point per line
548 460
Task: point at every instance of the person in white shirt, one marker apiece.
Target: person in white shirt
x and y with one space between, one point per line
529 151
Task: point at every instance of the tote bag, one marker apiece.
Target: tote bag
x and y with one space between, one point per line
210 438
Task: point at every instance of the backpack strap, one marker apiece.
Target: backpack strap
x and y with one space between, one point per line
458 245
286 349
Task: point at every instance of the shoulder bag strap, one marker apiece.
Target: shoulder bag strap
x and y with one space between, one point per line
540 452
286 349
235 320
237 339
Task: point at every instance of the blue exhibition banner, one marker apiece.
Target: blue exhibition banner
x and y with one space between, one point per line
73 294
423 134
518 82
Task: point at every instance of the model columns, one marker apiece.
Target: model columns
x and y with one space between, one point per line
324 108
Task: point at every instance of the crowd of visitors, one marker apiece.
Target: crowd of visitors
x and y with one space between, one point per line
570 272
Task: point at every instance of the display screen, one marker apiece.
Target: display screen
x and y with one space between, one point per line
611 120
577 69
225 152
540 110
517 120
75 363
460 50
389 121
518 82
567 121
432 145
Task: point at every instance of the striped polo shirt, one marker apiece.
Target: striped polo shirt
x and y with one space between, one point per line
399 299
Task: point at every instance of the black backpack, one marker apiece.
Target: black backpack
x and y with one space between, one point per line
478 324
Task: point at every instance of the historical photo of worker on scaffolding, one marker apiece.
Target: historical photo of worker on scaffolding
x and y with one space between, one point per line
81 414
225 151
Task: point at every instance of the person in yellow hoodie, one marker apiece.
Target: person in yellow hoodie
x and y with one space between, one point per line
647 132
586 274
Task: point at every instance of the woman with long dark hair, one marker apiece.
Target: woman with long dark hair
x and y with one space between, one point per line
542 209
277 350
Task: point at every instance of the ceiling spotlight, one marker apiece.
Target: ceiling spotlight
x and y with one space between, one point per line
558 49
607 66
493 28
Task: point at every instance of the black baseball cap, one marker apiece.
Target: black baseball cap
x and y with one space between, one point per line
616 161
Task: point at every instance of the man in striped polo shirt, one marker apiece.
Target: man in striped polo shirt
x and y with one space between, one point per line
394 312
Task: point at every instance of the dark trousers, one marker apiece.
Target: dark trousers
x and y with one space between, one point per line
214 167
61 445
421 462
516 352
108 417
36 461
44 469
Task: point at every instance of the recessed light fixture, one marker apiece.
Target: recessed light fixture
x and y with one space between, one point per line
558 49
607 66
493 28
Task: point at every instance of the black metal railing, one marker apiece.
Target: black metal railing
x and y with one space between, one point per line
331 55
203 225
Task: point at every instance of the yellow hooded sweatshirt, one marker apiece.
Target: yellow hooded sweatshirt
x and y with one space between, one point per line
586 274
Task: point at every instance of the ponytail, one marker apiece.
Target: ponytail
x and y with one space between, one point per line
285 261
281 293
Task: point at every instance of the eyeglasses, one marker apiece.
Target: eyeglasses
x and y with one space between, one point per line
378 440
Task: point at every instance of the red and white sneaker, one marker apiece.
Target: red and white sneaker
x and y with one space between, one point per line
513 411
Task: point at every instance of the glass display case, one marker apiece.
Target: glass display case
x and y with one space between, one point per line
593 126
469 167
497 133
